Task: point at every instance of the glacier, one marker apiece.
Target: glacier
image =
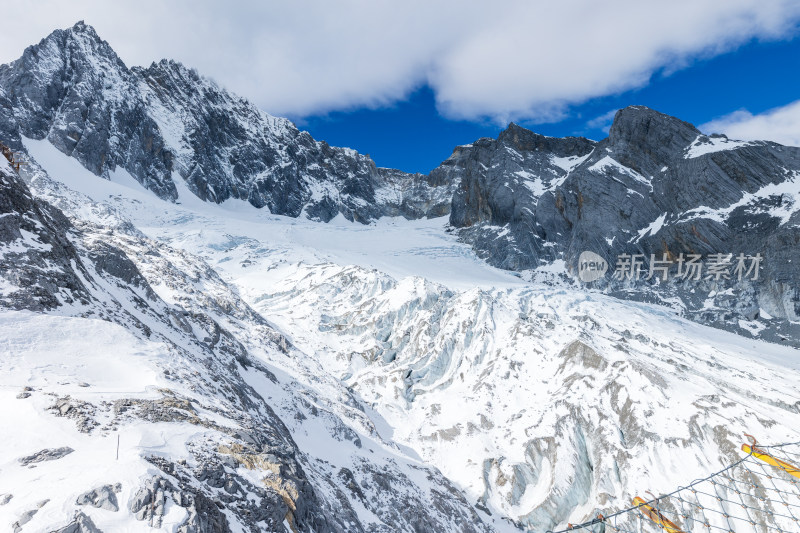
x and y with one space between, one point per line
382 353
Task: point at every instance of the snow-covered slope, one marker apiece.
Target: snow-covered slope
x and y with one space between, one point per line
546 405
223 425
415 387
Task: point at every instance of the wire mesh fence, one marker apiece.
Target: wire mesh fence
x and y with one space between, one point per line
759 493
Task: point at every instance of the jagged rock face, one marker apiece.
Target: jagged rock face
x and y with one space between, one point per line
37 259
650 164
494 175
165 121
414 197
511 182
227 148
656 185
73 89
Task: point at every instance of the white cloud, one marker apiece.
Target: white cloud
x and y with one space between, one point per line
603 122
503 60
781 125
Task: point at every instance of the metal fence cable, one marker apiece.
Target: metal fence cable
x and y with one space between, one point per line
734 499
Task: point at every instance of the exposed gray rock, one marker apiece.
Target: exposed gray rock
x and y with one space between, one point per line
101 497
80 524
204 516
24 519
42 269
79 411
149 501
5 498
82 67
27 516
48 454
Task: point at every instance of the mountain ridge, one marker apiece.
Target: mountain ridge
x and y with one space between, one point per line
656 185
166 120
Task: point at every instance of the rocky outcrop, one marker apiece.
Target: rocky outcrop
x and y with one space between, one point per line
103 497
149 501
36 258
27 516
49 454
80 524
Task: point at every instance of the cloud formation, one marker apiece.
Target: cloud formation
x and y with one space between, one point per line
515 60
781 125
602 122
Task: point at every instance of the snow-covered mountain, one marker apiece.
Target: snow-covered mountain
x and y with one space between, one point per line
188 347
166 121
656 188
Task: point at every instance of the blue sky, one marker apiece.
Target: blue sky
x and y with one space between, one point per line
413 136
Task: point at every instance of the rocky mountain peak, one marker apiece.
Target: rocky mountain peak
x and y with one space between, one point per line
82 27
73 89
643 129
171 66
523 139
86 33
79 44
